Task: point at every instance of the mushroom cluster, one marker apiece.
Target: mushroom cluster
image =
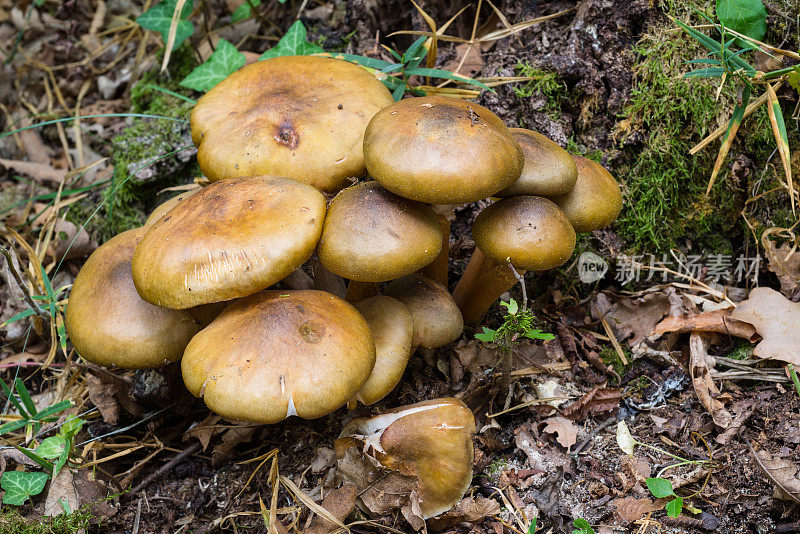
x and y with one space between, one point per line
212 278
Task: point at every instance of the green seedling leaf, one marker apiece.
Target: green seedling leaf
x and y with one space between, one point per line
711 72
748 17
19 385
532 527
369 62
51 447
487 336
52 410
713 46
446 74
538 334
13 399
12 426
511 306
20 486
293 44
223 62
793 78
661 488
159 18
625 438
674 507
582 527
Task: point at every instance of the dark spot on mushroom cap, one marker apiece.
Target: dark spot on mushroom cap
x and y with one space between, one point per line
312 331
287 135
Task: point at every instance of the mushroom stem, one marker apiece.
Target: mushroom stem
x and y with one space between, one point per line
482 283
324 280
357 291
437 269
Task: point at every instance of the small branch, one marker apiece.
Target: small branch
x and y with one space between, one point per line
24 288
521 281
195 447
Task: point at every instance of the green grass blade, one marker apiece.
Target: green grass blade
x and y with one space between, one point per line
368 62
411 53
438 73
54 409
711 72
170 93
51 196
70 119
19 385
14 400
35 457
21 315
12 426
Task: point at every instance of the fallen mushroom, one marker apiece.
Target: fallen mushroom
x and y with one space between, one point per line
549 169
230 240
595 201
372 235
529 232
297 116
108 322
437 319
280 353
430 440
393 330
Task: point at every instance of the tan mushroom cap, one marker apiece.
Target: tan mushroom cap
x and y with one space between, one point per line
229 240
595 201
298 116
430 440
437 319
529 231
392 329
167 205
108 322
372 235
441 150
549 169
280 353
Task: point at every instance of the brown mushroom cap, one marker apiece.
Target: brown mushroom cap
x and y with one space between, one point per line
280 353
437 319
430 440
229 240
298 116
108 322
529 231
441 150
549 169
595 201
392 329
167 205
372 235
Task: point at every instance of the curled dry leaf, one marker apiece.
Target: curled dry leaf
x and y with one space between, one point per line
598 400
565 430
631 509
777 320
784 261
339 502
704 386
631 319
468 510
781 471
713 321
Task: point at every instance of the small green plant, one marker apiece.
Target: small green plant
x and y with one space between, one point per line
532 526
659 487
51 454
795 379
582 526
518 323
159 19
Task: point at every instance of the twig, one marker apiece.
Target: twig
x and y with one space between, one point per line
521 281
195 447
18 279
599 428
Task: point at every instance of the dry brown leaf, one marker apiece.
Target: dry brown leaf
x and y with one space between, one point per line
70 242
102 395
38 172
204 430
230 439
468 510
631 319
471 66
598 400
713 321
777 320
61 495
781 471
339 502
704 387
631 509
565 430
784 261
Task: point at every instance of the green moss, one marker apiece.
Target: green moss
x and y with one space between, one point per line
124 204
665 203
544 83
12 522
610 357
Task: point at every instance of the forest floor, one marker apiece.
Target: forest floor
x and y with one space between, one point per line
651 343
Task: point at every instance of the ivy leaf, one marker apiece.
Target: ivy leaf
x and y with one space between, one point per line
748 17
51 447
159 18
660 488
674 507
223 62
71 427
583 527
245 10
19 486
294 43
